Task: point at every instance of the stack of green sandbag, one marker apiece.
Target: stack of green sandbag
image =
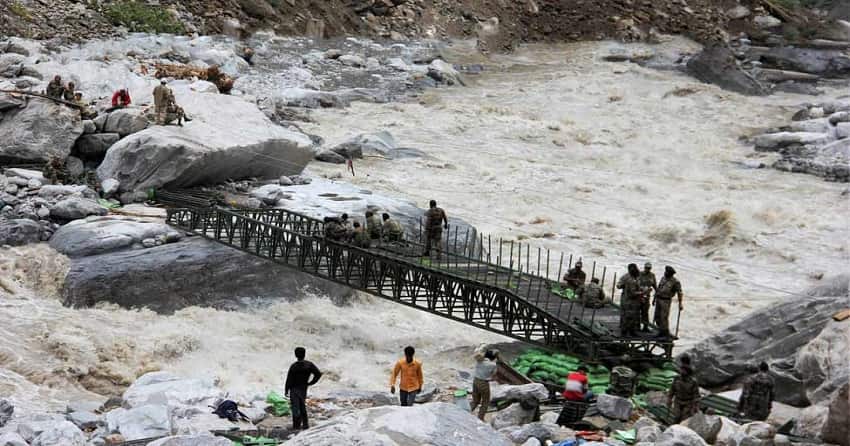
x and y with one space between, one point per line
554 368
280 405
658 378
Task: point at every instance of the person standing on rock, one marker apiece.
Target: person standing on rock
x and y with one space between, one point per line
630 300
302 374
667 288
757 396
408 371
485 371
683 398
55 89
160 101
435 221
648 284
392 230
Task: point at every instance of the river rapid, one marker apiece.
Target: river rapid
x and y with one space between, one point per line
611 162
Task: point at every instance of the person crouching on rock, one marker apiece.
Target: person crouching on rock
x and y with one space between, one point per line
85 111
174 111
120 99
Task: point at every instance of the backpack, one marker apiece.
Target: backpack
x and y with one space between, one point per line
230 410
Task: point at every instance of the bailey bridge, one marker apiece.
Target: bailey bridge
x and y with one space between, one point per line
506 289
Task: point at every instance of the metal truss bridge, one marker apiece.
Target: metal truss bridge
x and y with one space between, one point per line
498 290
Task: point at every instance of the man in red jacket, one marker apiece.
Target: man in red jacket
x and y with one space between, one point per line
576 387
121 99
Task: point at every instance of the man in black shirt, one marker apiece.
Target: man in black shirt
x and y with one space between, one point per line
297 381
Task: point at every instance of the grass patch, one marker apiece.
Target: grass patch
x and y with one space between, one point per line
140 17
20 10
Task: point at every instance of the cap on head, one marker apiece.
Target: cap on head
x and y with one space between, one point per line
647 265
162 81
300 353
409 351
669 270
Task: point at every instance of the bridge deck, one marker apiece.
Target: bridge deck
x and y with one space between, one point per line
461 285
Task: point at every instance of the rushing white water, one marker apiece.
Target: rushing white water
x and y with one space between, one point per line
609 161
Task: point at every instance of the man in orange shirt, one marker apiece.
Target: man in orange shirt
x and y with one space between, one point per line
410 371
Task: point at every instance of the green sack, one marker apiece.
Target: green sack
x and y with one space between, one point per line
256 441
627 437
280 405
107 204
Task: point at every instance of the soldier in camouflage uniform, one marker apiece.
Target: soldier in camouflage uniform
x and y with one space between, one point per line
393 232
435 221
373 225
683 398
667 288
575 278
360 237
55 89
594 295
648 284
333 229
757 397
630 301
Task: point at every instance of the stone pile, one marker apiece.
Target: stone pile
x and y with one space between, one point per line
817 141
31 210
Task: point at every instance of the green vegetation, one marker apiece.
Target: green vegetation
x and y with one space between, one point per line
20 10
139 17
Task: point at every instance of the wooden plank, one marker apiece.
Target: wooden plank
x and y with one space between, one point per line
842 315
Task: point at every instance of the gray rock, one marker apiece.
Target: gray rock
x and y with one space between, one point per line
615 407
12 439
269 194
352 60
730 433
374 398
842 130
824 362
649 434
207 150
828 420
427 394
63 433
34 425
26 174
176 275
380 143
33 184
718 65
513 415
540 431
109 187
140 422
83 406
74 166
766 21
819 125
11 189
776 141
88 126
54 191
39 131
499 392
738 12
645 422
18 232
74 208
285 181
329 156
706 426
162 387
95 146
444 73
532 442
839 117
192 440
255 414
8 102
6 408
775 332
85 420
306 98
678 435
434 424
827 63
100 121
125 121
758 433
149 243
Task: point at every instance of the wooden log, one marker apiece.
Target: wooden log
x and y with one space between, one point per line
772 75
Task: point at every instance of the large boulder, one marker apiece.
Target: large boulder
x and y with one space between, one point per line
74 208
775 333
12 439
192 440
614 407
19 232
776 141
140 422
824 361
538 430
829 63
729 433
827 421
63 433
501 392
706 426
678 435
434 424
6 411
94 146
380 143
176 275
718 65
514 415
125 121
99 235
165 388
39 131
227 138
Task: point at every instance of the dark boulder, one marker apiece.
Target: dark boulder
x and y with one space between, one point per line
718 65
